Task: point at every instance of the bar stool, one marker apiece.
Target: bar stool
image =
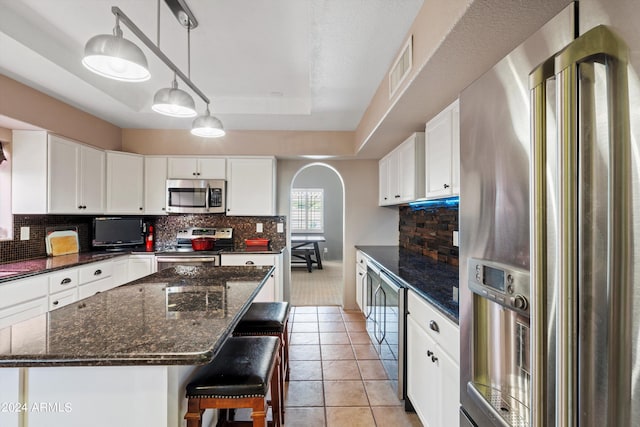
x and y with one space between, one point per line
271 319
239 376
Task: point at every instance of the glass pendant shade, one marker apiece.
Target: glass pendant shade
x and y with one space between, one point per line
207 126
174 102
115 57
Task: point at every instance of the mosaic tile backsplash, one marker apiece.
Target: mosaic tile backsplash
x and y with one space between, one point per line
165 227
430 232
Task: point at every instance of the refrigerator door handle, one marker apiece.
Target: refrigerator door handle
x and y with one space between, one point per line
538 255
576 242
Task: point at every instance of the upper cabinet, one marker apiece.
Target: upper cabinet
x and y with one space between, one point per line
125 175
401 172
52 174
442 151
197 168
155 185
251 189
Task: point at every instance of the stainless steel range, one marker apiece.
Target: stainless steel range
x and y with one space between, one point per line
183 253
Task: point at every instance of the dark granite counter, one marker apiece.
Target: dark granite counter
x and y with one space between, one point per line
32 267
178 316
432 280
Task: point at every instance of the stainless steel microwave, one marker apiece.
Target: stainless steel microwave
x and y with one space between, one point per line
196 196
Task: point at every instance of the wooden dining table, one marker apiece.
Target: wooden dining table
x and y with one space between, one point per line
302 241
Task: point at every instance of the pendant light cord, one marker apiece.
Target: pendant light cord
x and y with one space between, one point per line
189 49
158 26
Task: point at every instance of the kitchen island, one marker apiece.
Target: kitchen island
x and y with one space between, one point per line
122 357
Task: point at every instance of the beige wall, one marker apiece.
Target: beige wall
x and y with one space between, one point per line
434 21
365 223
255 143
28 105
5 134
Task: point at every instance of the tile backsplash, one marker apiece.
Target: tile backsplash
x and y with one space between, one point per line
166 228
430 232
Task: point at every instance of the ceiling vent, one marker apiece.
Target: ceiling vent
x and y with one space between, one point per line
401 67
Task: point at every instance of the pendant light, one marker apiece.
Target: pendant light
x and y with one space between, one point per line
174 102
207 126
113 56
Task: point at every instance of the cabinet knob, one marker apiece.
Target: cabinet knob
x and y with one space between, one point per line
429 353
397 196
446 186
55 302
194 174
434 359
163 208
434 326
140 208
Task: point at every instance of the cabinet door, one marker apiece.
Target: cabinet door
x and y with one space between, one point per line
251 186
455 149
267 293
182 167
424 382
63 161
140 266
93 288
439 136
450 374
212 168
393 179
361 276
124 183
29 169
92 180
60 299
406 168
155 185
24 311
120 270
383 182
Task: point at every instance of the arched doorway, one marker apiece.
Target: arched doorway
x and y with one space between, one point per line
324 284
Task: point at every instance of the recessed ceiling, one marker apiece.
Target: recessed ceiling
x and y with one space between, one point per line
265 65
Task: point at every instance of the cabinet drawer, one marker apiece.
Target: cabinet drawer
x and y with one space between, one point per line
95 271
24 311
94 287
60 299
247 259
63 280
18 291
442 330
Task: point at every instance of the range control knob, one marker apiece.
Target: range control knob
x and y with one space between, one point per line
520 302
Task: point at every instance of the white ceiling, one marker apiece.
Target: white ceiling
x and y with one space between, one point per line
265 65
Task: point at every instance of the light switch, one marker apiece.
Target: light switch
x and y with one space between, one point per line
455 238
24 233
259 227
280 227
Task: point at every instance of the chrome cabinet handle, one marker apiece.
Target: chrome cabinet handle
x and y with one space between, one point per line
97 272
65 281
434 326
249 263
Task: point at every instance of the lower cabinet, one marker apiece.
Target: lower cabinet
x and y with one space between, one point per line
140 265
273 289
433 370
361 280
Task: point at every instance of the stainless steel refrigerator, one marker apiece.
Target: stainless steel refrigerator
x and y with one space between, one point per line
549 220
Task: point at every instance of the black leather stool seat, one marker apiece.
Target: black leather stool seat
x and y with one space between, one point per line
264 317
242 368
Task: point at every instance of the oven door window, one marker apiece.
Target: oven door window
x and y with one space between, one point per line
188 197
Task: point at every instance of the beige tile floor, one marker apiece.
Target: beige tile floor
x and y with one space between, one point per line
336 378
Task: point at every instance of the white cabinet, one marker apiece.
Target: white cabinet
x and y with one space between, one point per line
23 299
76 178
197 167
94 278
273 289
63 287
125 175
433 370
442 153
401 172
361 280
120 270
51 174
155 185
141 265
251 186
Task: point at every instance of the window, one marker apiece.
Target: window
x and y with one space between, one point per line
307 210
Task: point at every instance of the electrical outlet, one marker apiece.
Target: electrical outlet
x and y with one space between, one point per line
455 294
259 227
280 227
24 233
455 238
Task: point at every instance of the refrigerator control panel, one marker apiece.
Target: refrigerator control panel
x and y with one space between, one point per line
501 283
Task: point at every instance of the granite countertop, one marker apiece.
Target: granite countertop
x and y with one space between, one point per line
432 280
178 316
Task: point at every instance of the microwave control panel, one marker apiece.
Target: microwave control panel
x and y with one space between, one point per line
503 284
